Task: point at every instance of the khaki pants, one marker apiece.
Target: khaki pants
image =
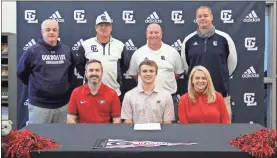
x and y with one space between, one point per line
228 106
38 115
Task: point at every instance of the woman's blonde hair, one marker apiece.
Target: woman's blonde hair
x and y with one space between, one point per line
209 91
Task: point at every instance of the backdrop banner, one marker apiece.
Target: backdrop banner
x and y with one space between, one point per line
243 21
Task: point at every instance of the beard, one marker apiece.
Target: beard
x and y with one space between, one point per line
94 79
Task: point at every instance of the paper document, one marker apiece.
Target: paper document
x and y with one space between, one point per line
148 126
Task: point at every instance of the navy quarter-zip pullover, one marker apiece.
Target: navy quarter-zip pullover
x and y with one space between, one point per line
217 53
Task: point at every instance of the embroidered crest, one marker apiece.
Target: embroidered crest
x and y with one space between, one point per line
101 101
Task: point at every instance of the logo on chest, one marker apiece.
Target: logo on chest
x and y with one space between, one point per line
94 48
82 102
54 59
215 43
101 101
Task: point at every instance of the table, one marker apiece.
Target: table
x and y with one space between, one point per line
77 140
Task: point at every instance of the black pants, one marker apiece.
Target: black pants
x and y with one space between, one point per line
175 104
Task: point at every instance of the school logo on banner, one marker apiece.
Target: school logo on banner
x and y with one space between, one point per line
249 99
128 17
226 16
250 44
79 16
176 17
30 16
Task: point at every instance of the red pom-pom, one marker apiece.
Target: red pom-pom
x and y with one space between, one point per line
260 144
21 143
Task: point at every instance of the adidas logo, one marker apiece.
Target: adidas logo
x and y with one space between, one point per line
77 45
177 45
195 44
57 16
29 44
153 18
250 73
252 17
130 45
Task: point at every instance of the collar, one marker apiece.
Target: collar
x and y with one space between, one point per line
111 39
155 50
208 34
140 89
49 47
100 91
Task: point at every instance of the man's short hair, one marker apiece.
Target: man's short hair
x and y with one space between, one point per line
93 61
154 24
48 20
148 63
203 7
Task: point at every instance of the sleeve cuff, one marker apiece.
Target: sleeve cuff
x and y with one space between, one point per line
126 118
180 72
116 116
133 73
71 113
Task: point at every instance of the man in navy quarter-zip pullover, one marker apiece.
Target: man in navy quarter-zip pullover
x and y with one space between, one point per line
46 68
213 49
110 51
